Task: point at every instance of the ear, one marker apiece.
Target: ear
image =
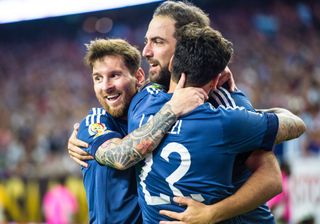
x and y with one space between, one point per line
139 75
170 66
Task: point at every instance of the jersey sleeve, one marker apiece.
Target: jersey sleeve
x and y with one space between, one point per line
222 96
95 129
246 130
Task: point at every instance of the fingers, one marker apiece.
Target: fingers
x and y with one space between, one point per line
232 85
181 82
203 96
173 215
227 77
76 126
171 222
79 153
73 140
81 163
203 93
182 200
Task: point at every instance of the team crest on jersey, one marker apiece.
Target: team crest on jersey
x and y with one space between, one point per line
97 129
154 88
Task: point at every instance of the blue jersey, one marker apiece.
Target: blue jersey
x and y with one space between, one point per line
197 156
111 194
241 173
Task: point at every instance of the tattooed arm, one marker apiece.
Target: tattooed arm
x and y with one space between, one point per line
290 125
124 153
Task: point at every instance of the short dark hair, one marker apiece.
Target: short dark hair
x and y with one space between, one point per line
201 53
183 13
99 48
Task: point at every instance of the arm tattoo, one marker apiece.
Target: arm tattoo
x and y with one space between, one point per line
124 153
289 128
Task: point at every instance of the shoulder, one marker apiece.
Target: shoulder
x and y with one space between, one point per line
154 88
97 123
150 91
222 96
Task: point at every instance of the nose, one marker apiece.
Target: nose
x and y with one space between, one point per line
108 86
147 50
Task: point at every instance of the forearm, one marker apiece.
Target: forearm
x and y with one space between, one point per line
290 125
124 153
263 184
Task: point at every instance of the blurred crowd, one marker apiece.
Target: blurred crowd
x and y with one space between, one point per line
45 88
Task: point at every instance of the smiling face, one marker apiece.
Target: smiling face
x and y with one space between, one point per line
159 47
114 86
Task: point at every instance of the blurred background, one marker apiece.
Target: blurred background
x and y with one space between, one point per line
45 89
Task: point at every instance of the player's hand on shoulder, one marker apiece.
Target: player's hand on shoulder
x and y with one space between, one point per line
184 100
74 150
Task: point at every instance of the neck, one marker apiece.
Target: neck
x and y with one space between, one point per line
172 86
207 88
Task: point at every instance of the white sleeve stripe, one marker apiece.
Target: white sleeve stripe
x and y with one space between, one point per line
140 124
233 104
92 119
95 117
216 97
225 100
87 120
96 110
224 95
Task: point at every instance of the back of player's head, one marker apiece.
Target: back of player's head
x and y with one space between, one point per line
99 48
201 53
183 13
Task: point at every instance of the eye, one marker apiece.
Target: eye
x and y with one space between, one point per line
158 41
115 75
97 78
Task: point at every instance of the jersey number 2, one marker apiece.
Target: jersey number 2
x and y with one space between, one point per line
174 177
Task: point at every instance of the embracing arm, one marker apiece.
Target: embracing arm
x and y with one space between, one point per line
124 153
290 125
263 184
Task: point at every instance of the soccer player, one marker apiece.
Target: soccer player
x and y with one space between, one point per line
116 73
188 162
265 181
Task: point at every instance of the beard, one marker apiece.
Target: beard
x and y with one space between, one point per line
163 78
121 110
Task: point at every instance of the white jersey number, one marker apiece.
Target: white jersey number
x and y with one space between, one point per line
174 177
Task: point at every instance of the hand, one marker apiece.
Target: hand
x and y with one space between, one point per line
195 213
74 150
227 77
184 100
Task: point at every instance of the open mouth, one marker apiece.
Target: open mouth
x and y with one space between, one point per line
113 98
153 63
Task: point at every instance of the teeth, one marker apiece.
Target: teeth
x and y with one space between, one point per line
112 97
